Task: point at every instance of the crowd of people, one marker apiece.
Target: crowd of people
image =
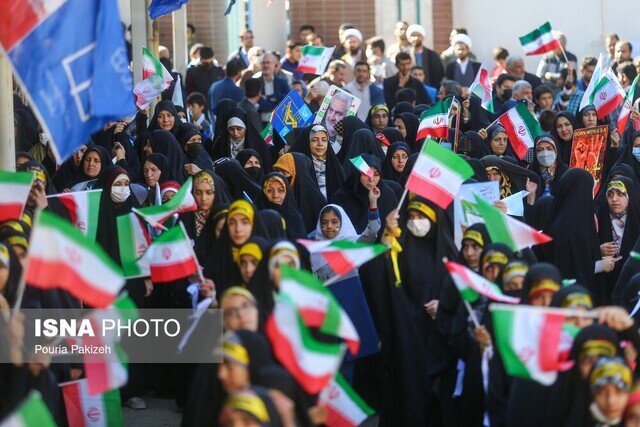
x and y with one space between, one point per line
422 360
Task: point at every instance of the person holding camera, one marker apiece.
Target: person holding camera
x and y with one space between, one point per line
569 97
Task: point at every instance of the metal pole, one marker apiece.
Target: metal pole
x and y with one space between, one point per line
179 18
7 134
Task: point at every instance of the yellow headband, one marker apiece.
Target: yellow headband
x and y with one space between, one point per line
270 180
4 255
27 219
241 207
41 176
379 107
545 285
17 241
613 372
578 299
425 209
252 249
495 258
597 348
15 225
474 235
250 403
204 176
236 291
235 351
617 185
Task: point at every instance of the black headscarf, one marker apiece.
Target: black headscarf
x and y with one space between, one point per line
237 179
369 122
629 269
105 161
402 107
575 246
477 147
391 135
270 225
540 216
68 174
350 125
491 132
619 169
407 169
15 272
161 106
626 156
353 197
363 142
631 296
334 173
161 162
288 209
479 172
202 159
564 147
411 123
560 166
165 142
517 175
388 172
224 110
256 173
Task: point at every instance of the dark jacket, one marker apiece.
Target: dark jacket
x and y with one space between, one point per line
392 85
252 113
280 90
451 70
433 68
222 89
200 79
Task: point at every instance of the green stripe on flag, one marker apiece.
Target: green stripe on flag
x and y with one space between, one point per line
535 34
533 126
113 408
503 324
21 178
172 235
447 158
355 398
495 222
469 294
126 243
156 63
346 244
34 412
441 107
312 50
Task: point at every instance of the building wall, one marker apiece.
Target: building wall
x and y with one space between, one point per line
585 22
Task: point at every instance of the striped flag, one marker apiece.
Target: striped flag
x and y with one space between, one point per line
522 128
314 59
14 193
607 95
362 166
471 285
133 241
343 256
526 336
343 405
171 256
438 174
318 307
595 78
504 229
312 363
482 88
155 79
267 134
540 40
625 112
182 202
434 122
83 208
32 412
84 410
61 257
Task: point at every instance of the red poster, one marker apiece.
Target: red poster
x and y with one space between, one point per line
587 151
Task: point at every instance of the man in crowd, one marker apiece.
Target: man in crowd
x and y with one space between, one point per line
569 96
543 97
251 102
381 66
291 57
362 87
609 56
449 55
587 66
274 88
352 41
304 32
552 62
463 70
255 60
521 90
202 76
623 54
402 43
337 73
424 57
246 42
403 79
514 65
227 88
502 90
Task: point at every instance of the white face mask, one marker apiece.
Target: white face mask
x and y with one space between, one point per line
546 158
119 193
44 139
419 227
384 149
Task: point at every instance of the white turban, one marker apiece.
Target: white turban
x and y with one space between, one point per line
236 121
461 38
351 32
415 28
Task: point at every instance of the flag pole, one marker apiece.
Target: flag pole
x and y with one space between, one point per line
7 137
457 129
404 195
472 313
22 284
193 254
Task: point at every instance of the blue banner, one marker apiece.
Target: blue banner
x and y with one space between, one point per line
291 113
73 65
157 8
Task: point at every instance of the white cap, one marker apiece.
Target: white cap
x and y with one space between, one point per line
462 38
415 28
351 32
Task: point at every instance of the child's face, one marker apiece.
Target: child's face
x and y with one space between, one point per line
196 109
330 224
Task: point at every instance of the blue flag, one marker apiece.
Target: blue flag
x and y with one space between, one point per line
70 58
291 113
228 11
157 8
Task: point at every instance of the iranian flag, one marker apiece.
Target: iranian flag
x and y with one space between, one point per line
504 229
522 128
267 134
61 257
314 59
625 112
595 78
182 202
14 193
342 255
471 285
312 363
607 94
525 336
434 122
105 372
540 40
318 307
171 256
155 79
133 241
438 174
362 166
83 208
343 405
32 412
84 410
482 88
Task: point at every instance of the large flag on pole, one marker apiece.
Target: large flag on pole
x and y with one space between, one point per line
60 256
14 193
483 89
158 8
595 78
342 255
182 202
625 112
133 241
607 95
156 78
526 337
70 59
434 122
540 40
438 174
522 127
32 412
84 410
314 59
83 208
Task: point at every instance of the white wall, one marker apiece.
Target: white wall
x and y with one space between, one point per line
494 23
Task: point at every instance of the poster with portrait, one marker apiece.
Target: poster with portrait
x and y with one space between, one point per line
336 105
587 151
465 213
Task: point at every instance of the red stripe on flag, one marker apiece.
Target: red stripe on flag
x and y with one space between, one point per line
171 272
429 190
10 211
609 106
17 19
70 204
286 354
335 418
73 404
339 263
94 366
541 238
550 341
554 44
312 318
304 69
516 143
59 275
438 132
